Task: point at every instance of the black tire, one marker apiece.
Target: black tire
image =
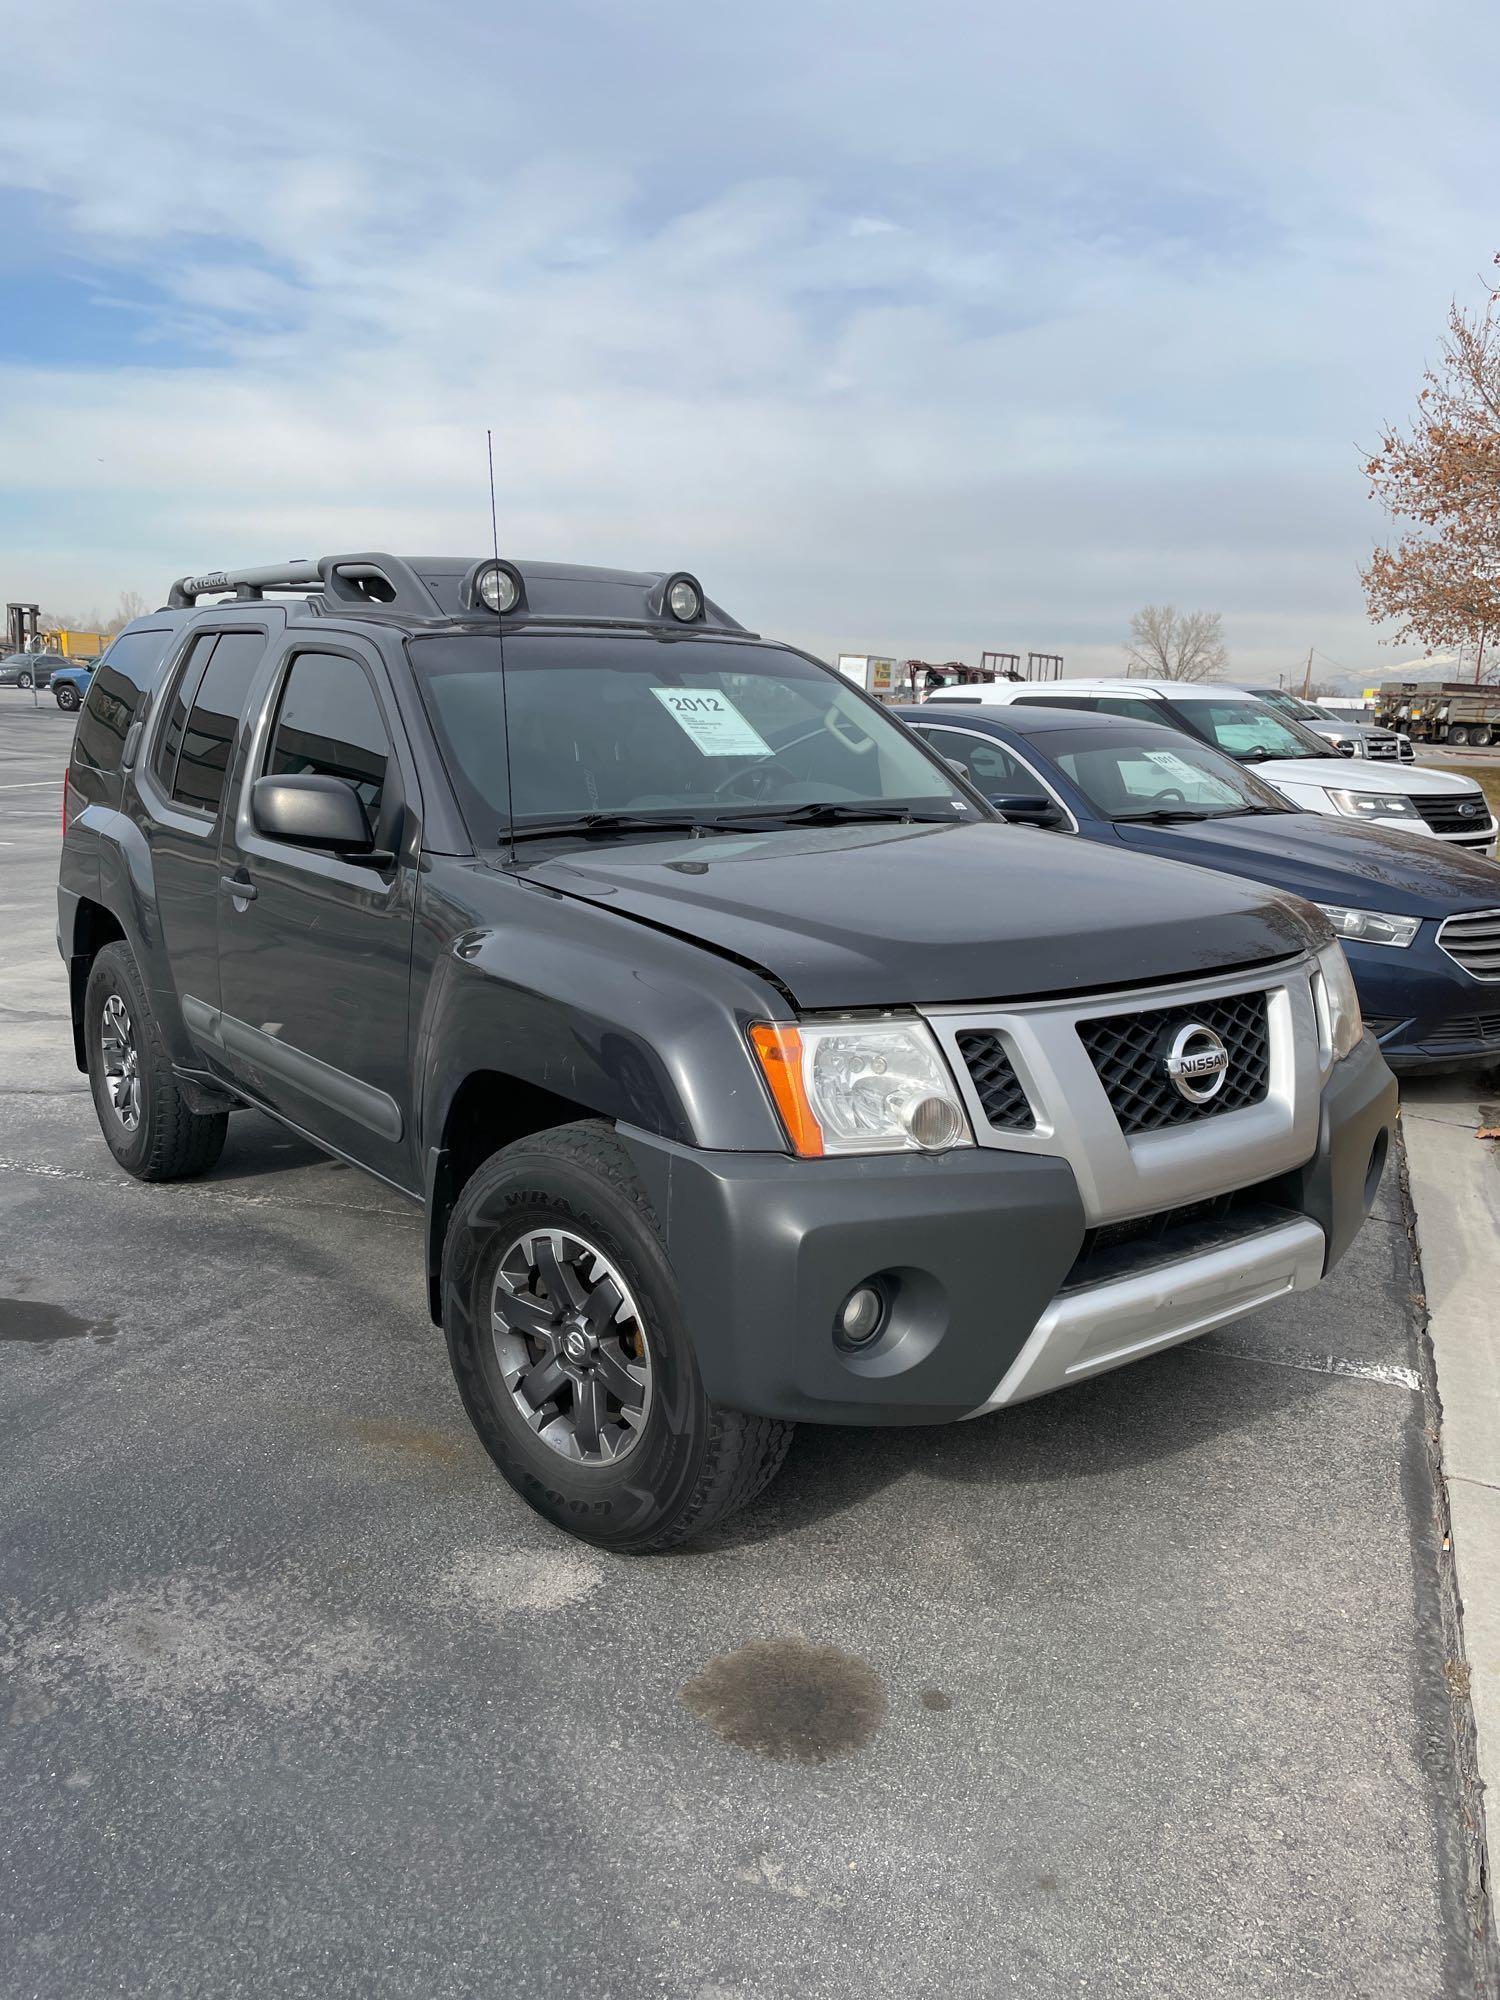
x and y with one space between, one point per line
67 696
691 1464
1458 734
166 1141
23 680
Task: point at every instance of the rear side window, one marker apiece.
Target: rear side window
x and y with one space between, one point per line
120 683
184 688
208 735
330 722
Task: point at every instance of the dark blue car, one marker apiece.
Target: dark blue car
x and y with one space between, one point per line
1420 920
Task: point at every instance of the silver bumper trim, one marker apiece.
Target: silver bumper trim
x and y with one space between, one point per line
1102 1326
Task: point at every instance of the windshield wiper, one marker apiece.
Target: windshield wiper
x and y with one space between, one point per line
830 812
1164 815
595 824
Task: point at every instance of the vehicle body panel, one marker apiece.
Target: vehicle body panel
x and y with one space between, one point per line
908 915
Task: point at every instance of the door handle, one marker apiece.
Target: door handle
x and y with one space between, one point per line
240 887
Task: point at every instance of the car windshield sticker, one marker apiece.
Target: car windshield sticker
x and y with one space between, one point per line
1178 766
713 722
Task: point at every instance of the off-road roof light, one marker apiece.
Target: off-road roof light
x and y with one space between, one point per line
678 596
494 586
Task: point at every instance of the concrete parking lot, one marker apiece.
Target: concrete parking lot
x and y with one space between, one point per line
1150 1688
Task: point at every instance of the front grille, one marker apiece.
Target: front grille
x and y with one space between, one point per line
1001 1097
1129 1052
1115 1248
1455 813
1473 941
1469 1031
1382 747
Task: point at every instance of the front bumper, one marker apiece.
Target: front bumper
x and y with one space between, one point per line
1424 1010
999 1290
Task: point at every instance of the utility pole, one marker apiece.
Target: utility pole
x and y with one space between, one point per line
1307 677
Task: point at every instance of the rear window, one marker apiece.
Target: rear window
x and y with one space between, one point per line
122 679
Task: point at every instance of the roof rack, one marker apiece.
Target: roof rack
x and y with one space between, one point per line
439 588
354 581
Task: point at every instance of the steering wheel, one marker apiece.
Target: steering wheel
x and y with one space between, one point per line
757 773
1170 797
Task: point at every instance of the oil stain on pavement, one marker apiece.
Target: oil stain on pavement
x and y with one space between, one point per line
33 1323
789 1700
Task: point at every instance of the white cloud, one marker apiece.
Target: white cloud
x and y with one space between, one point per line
917 334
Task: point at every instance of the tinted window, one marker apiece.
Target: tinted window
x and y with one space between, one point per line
184 688
125 674
209 735
329 722
989 764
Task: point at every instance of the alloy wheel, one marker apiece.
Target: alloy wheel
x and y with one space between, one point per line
571 1345
121 1062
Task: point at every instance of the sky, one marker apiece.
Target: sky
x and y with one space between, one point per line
909 330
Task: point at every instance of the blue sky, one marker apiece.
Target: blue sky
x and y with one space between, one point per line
909 330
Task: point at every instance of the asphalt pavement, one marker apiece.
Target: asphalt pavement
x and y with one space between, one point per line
1148 1688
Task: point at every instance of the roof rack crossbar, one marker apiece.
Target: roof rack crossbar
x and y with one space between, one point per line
362 578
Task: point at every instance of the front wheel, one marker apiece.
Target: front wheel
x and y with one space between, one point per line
144 1117
23 680
569 1350
67 697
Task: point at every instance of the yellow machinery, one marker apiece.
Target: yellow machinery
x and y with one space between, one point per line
76 645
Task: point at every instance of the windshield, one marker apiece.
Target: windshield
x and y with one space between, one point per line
1294 705
665 729
1133 773
1248 730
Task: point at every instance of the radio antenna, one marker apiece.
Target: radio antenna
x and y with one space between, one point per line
510 796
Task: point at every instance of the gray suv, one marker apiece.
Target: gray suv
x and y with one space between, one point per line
747 1066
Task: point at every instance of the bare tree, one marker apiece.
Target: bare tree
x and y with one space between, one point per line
1171 645
131 605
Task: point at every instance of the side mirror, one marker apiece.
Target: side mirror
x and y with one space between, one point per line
312 810
1027 809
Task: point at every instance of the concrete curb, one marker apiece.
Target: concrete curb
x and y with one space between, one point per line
1453 1184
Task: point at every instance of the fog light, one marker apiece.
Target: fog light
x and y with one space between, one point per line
683 601
499 589
861 1316
933 1123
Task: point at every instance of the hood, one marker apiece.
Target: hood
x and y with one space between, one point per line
1332 860
1358 774
934 915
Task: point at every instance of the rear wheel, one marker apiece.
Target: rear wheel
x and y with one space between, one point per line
569 1350
144 1117
1458 734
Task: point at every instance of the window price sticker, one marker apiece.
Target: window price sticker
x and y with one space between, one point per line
1168 760
713 722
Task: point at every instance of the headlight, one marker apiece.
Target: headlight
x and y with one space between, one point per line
1340 1002
1371 926
852 1087
1374 805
